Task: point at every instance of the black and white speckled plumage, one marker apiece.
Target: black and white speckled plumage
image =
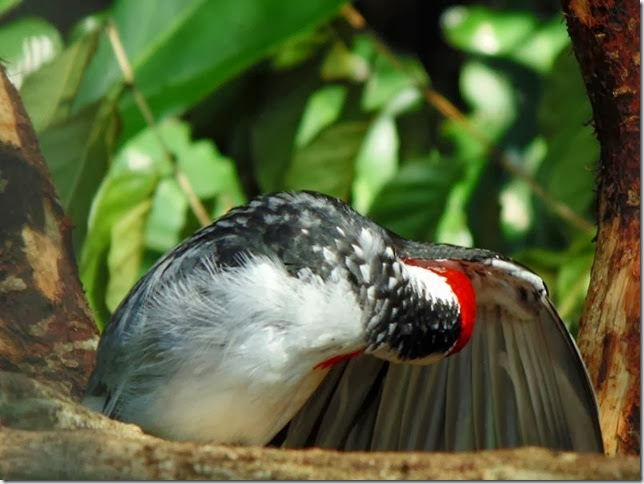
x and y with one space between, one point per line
314 233
304 240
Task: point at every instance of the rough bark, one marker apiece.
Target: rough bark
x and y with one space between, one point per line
606 40
46 329
44 435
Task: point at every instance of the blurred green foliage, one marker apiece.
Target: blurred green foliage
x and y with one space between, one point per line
305 102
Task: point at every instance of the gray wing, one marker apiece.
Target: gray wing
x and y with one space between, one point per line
520 381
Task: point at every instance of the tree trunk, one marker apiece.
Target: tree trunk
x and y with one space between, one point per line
606 40
46 328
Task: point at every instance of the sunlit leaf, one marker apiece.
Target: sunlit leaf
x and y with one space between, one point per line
541 49
299 48
482 30
572 149
26 44
385 82
167 217
327 163
124 255
376 162
490 93
322 109
7 5
342 64
49 92
216 40
413 201
118 195
77 151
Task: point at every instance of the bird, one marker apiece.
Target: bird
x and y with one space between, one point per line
295 321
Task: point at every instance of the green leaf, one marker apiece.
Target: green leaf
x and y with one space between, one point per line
386 81
27 44
490 93
376 163
481 30
274 129
411 204
216 41
125 254
342 64
572 149
209 174
167 217
299 48
541 49
77 151
117 196
322 109
49 92
327 164
7 5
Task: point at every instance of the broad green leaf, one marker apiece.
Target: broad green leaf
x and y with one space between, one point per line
48 92
125 253
274 129
376 163
216 40
452 227
77 151
327 164
26 44
88 25
490 93
299 48
542 48
386 81
208 172
481 30
412 203
322 109
340 63
167 217
117 196
7 5
516 209
511 34
572 149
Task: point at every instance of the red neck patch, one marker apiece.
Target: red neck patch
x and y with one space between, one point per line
462 287
336 360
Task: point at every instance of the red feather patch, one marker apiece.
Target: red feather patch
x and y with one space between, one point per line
335 360
462 287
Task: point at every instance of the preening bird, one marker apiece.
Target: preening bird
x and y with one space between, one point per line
294 316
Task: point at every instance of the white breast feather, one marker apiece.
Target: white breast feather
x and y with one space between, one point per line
248 366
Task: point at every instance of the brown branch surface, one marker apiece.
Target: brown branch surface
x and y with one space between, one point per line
606 39
44 435
46 329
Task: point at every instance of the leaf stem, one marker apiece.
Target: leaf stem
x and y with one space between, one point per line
128 76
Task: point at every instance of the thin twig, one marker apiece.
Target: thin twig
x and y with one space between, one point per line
447 109
123 62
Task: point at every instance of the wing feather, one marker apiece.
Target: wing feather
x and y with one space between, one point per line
520 381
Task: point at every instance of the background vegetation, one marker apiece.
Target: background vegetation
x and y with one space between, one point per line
255 96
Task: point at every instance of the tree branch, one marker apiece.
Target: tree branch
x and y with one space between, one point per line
606 39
